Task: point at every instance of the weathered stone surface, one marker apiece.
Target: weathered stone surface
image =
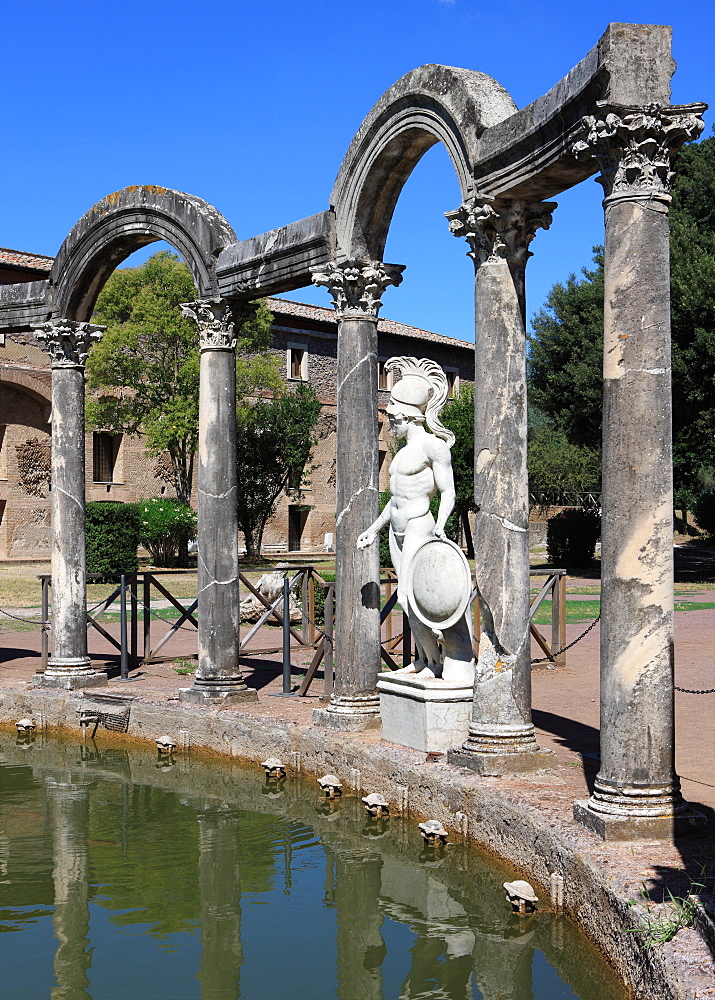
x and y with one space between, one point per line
68 344
637 779
218 674
428 715
277 261
427 105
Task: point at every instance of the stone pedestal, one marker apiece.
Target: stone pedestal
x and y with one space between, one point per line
69 666
218 677
425 714
356 288
501 733
637 792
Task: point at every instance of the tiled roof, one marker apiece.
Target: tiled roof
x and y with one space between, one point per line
18 258
323 314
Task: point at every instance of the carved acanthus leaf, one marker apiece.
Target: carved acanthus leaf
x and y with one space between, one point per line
635 147
499 229
68 341
356 286
216 320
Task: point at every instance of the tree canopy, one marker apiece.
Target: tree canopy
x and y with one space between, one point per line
144 373
275 439
565 359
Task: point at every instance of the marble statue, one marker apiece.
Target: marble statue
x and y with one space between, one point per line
422 467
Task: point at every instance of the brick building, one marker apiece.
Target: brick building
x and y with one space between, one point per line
117 466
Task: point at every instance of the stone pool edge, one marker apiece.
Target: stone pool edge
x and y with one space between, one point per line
510 817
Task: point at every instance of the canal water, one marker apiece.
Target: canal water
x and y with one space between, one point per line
124 876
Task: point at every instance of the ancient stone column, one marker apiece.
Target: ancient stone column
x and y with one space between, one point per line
637 792
218 677
356 287
501 733
69 812
219 879
68 342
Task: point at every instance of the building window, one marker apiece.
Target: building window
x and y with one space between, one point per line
297 517
297 363
104 458
452 382
384 378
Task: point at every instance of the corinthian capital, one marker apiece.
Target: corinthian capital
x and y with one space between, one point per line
216 320
635 147
500 229
68 342
356 286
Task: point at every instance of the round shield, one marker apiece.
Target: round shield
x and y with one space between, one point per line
439 583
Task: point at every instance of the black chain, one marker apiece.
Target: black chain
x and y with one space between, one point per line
28 621
546 659
694 690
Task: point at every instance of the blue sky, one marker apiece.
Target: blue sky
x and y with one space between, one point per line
252 106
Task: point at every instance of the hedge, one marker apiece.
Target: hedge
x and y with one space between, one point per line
112 531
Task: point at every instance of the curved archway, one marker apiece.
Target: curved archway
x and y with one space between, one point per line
428 105
122 223
39 391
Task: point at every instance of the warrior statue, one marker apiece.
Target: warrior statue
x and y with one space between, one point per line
433 581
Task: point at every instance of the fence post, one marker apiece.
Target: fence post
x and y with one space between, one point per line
558 618
133 620
45 622
406 641
304 607
328 612
147 615
124 652
286 636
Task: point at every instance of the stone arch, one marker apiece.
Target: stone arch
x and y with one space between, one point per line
122 223
38 390
428 105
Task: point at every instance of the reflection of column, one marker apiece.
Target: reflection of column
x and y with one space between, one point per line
218 674
69 808
503 964
220 890
68 344
637 792
356 288
501 734
361 949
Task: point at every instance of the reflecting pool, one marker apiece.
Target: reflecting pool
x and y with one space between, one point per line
123 875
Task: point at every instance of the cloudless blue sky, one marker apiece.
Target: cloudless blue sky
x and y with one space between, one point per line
252 106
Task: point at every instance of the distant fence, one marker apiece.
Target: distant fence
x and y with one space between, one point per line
565 498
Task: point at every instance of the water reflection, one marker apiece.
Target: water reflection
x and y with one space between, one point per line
68 802
196 882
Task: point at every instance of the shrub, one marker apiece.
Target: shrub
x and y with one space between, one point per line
571 536
704 511
165 526
112 536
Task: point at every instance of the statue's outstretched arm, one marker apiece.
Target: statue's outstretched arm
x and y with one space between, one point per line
369 536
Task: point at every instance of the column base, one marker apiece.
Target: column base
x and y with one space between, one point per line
349 715
216 694
70 682
686 823
494 765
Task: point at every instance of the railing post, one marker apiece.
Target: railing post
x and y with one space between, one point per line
134 621
304 631
558 619
147 615
328 615
286 636
124 652
311 606
45 622
406 640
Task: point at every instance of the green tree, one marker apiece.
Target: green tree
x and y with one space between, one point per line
566 344
458 416
275 441
144 373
